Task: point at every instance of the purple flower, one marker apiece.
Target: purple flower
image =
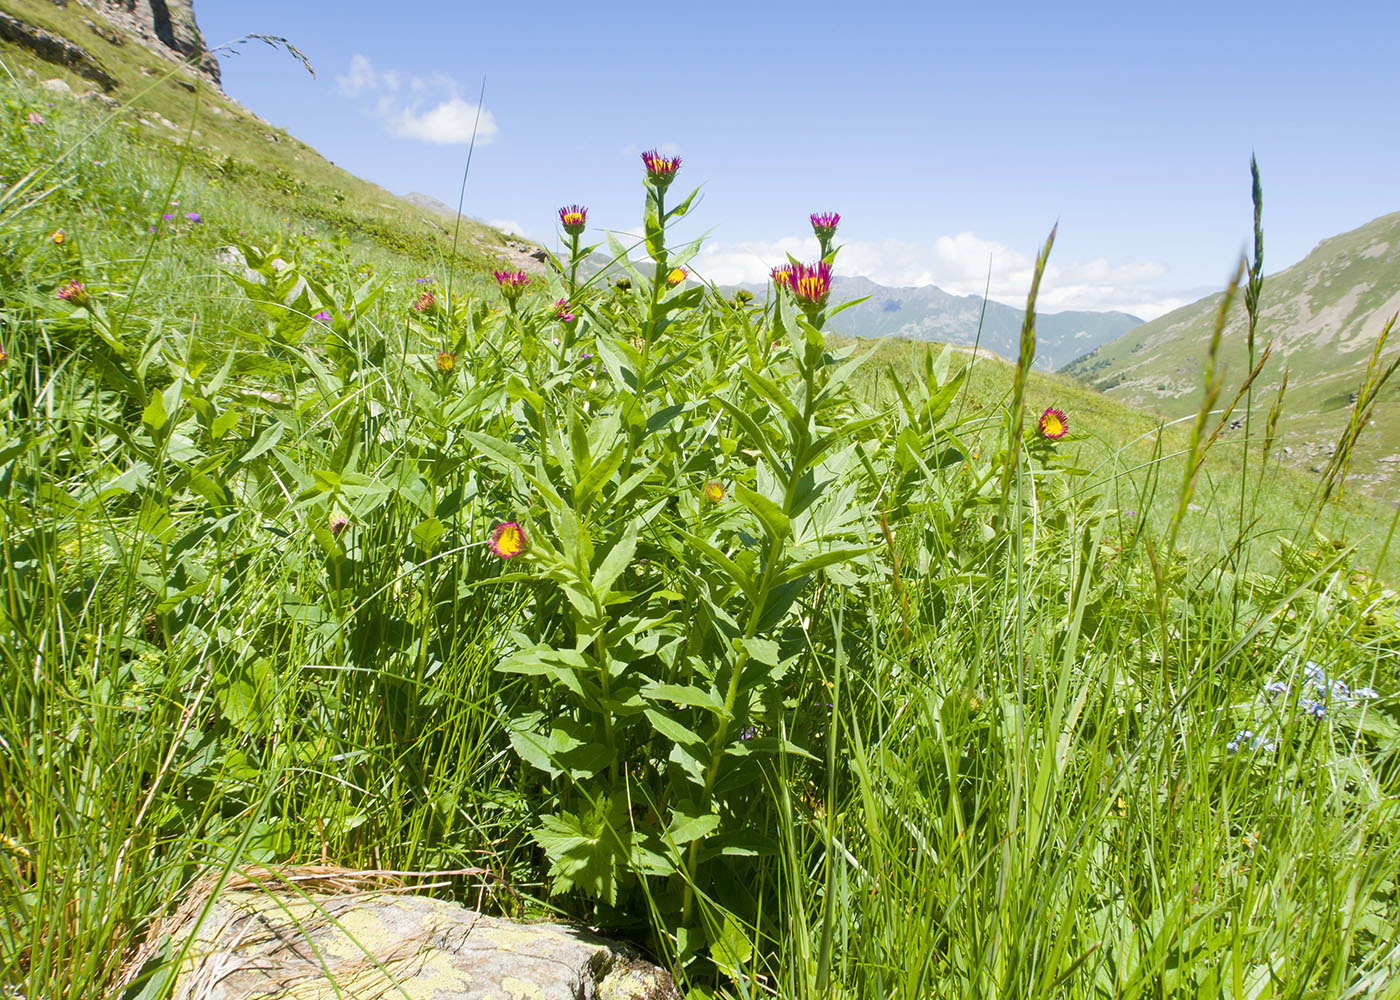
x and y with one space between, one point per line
323 316
824 225
193 217
167 216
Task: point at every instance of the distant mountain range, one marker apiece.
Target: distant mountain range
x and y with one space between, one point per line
1323 314
929 313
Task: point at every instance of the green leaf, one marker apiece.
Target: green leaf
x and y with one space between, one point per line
588 850
772 516
245 695
828 558
742 578
763 650
599 474
619 557
687 826
427 533
154 415
671 729
684 694
504 453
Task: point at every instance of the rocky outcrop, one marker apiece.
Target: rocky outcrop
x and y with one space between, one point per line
164 26
326 932
55 49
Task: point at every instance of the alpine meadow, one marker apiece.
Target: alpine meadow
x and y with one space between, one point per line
336 542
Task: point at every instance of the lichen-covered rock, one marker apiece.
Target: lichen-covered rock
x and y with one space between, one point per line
391 945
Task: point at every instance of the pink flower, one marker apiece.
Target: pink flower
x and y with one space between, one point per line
561 310
824 225
34 118
661 170
338 524
425 303
810 284
508 540
573 218
1053 424
323 316
512 283
74 293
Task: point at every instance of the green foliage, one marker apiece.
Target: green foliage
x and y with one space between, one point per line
816 674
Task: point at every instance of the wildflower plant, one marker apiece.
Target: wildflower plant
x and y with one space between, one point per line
827 672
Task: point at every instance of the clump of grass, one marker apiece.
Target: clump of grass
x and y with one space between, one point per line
648 604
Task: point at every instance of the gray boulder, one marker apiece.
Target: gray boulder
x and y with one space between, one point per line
383 943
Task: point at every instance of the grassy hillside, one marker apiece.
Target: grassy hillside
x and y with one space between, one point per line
813 675
1322 314
234 148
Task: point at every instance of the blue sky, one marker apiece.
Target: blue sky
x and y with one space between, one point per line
948 136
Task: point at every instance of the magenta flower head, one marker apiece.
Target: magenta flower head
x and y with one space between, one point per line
573 218
1053 424
512 283
824 225
661 170
810 284
34 118
194 217
338 523
425 303
508 540
323 316
782 276
75 293
563 312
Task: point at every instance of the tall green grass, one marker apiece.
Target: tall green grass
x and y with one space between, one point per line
918 702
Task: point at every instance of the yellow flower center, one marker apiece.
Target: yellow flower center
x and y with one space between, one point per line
1053 426
714 492
510 542
676 276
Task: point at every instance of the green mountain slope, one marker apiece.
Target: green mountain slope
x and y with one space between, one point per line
103 65
1323 316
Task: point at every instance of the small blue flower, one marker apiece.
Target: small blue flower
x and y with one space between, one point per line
1249 740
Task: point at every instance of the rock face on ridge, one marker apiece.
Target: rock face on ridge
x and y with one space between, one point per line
164 26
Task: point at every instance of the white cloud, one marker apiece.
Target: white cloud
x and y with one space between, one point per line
433 110
959 265
362 78
509 226
451 121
